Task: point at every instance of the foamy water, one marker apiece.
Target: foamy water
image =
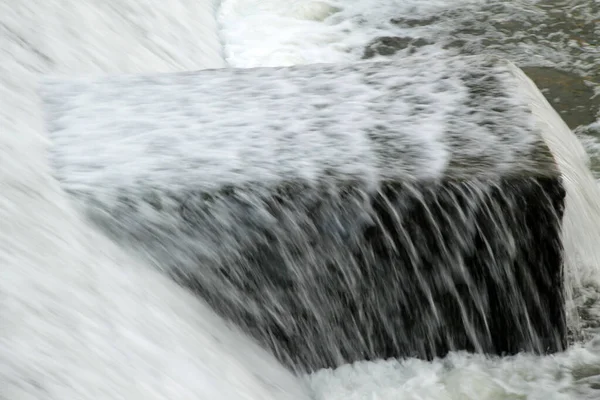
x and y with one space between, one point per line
555 41
82 320
529 32
280 32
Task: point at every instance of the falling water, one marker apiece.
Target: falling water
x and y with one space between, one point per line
82 320
319 212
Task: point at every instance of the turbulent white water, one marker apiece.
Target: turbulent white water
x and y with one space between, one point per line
556 40
288 32
81 320
530 32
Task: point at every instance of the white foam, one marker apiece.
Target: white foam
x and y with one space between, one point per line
283 32
279 33
291 32
462 376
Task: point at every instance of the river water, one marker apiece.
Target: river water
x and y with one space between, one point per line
555 42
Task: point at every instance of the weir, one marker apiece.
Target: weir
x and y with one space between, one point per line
334 212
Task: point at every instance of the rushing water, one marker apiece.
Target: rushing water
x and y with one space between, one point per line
554 42
317 226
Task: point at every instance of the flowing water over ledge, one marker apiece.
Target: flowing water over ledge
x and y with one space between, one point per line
554 42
